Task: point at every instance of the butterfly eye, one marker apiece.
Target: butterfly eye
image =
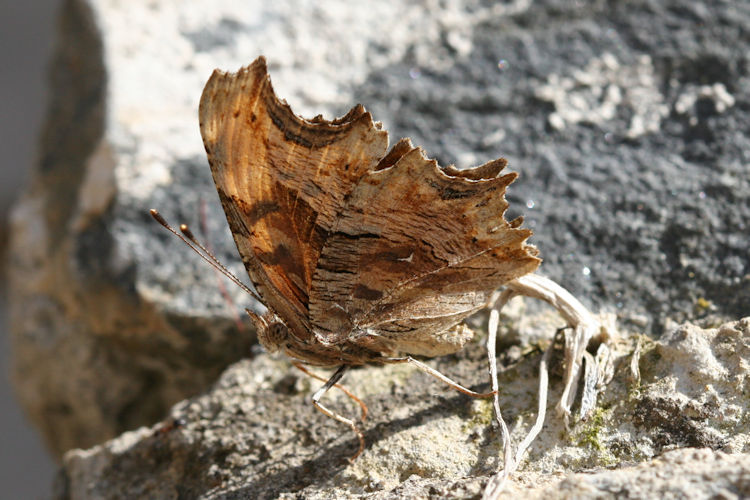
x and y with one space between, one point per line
274 336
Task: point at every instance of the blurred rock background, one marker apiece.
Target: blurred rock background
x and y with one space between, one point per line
27 32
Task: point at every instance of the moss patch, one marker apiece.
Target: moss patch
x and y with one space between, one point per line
591 435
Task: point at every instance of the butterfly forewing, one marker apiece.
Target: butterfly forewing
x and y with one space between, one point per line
282 180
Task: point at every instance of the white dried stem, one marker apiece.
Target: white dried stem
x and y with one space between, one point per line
542 409
497 482
585 327
590 377
510 463
635 363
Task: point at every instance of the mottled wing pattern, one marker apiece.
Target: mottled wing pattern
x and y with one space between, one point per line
416 249
282 181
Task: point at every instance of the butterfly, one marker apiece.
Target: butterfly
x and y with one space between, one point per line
360 253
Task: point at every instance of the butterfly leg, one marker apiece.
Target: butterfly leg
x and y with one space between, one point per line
431 371
340 387
325 411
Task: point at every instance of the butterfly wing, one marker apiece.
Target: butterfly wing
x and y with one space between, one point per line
282 180
416 250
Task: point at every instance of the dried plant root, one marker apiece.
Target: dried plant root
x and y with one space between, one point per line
597 371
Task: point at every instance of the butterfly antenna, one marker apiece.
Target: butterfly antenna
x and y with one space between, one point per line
221 284
212 258
189 239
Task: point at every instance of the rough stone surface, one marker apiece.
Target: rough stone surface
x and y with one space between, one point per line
627 123
683 473
681 430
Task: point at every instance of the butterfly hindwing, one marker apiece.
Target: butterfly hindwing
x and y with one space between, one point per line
417 244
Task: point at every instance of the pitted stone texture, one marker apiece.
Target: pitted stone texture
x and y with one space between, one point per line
254 434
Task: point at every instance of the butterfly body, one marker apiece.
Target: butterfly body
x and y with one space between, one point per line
359 253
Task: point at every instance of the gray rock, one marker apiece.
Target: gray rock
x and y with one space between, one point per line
683 473
682 430
626 123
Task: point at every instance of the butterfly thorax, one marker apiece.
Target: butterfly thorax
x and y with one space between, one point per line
274 336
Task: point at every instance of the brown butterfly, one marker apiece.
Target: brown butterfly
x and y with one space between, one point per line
361 254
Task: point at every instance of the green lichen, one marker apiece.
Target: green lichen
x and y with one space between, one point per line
482 415
649 363
702 306
590 435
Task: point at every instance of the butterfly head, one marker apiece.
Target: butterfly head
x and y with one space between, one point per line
272 332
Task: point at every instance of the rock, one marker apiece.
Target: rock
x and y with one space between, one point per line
626 123
696 388
254 434
676 474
